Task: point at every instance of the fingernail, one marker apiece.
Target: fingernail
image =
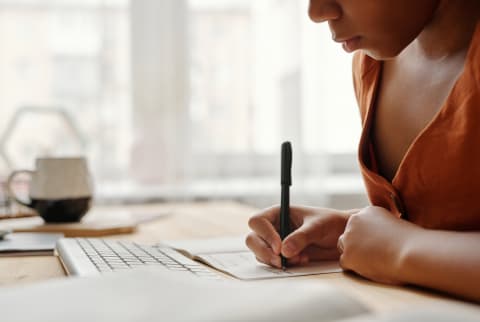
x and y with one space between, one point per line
276 261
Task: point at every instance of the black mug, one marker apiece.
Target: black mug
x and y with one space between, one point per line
60 189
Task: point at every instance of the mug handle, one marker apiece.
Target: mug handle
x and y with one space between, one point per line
10 191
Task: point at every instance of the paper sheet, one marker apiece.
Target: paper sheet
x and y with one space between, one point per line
244 265
231 256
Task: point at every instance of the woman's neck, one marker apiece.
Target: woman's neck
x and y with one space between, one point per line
450 30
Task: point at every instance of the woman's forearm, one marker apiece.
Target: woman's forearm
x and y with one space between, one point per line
442 260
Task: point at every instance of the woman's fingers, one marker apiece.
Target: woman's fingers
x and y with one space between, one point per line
304 242
298 240
298 260
263 227
262 250
313 238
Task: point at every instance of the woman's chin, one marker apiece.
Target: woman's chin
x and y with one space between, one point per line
381 54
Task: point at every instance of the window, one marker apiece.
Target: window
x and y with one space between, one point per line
65 58
178 98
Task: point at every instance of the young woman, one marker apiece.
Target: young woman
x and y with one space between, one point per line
417 81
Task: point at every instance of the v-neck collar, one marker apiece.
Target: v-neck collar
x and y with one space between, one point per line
365 151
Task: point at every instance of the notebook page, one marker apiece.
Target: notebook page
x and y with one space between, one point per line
231 256
208 245
245 266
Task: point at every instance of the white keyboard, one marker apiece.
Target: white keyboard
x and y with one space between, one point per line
82 256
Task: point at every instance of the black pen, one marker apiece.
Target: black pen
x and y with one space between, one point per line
286 182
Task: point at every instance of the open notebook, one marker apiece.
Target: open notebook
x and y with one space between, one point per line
231 256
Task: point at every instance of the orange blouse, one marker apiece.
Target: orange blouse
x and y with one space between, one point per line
437 184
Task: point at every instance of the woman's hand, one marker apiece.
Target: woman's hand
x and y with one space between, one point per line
314 235
372 244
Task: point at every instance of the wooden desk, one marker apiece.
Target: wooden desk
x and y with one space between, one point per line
204 220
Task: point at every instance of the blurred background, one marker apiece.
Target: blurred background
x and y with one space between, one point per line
180 99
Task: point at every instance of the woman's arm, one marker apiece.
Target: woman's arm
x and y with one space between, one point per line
384 248
443 260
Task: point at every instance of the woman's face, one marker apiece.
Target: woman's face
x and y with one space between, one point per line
382 28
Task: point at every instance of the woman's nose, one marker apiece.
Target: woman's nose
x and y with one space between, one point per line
324 10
